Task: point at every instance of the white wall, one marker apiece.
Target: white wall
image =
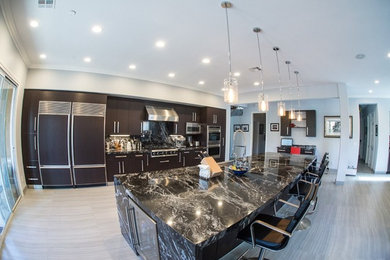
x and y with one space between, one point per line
113 85
323 107
383 107
12 64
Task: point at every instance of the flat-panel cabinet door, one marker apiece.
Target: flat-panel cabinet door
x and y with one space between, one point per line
111 117
88 140
53 140
285 129
113 166
56 177
136 115
311 123
136 163
30 147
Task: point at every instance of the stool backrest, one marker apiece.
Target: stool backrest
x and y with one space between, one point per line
303 208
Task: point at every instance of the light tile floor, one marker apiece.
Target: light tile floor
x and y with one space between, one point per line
352 222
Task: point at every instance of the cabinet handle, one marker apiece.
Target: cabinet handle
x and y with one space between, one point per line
117 128
147 160
139 155
176 128
31 167
186 152
216 119
184 161
32 179
119 167
287 130
35 123
142 165
121 156
223 141
35 142
114 127
141 127
167 161
195 116
307 131
179 157
123 166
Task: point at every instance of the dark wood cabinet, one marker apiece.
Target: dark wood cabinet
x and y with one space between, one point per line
164 163
191 157
117 116
125 163
29 151
285 122
136 115
311 123
31 171
213 116
137 162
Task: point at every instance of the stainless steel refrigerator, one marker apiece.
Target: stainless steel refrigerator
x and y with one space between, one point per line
71 143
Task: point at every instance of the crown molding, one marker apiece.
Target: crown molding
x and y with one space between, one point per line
10 23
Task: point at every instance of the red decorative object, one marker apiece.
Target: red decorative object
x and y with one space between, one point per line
292 125
295 150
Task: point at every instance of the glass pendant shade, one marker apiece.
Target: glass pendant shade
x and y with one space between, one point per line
230 91
292 114
263 102
299 116
281 108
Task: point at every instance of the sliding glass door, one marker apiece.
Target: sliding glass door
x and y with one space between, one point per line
9 191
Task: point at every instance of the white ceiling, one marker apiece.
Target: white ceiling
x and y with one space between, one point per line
321 38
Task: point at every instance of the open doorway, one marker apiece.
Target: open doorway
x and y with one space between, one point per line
259 133
368 138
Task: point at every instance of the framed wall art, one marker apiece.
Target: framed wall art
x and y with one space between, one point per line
245 128
332 126
274 127
236 128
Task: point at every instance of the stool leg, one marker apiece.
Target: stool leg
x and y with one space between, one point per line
261 254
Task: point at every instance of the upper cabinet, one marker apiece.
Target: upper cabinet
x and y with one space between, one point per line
117 116
137 114
213 116
308 123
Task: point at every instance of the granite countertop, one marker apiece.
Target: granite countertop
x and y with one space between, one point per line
200 210
124 151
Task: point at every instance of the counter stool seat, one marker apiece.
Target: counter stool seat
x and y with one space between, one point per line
266 237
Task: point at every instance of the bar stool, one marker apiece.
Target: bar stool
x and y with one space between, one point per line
273 233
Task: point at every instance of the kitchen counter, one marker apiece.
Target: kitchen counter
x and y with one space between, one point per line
195 216
124 151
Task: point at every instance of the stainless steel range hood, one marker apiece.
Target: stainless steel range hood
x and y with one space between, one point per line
162 114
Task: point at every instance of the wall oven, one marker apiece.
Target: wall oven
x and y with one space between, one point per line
193 128
214 141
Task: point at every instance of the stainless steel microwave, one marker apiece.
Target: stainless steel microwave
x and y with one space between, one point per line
193 128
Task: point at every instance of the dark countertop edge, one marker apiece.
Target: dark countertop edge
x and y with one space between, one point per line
148 150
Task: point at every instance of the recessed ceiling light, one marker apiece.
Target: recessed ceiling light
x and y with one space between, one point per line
132 67
87 59
256 83
171 75
96 29
360 56
34 23
201 82
206 60
42 56
377 81
370 91
237 74
388 55
160 44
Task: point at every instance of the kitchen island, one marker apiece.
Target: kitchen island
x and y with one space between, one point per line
173 214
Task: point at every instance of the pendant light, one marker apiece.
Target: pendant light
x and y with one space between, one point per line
262 99
299 114
292 112
230 84
281 104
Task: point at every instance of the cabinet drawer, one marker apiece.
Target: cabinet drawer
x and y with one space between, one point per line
31 172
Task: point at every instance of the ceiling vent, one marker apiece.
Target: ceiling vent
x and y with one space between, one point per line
46 3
